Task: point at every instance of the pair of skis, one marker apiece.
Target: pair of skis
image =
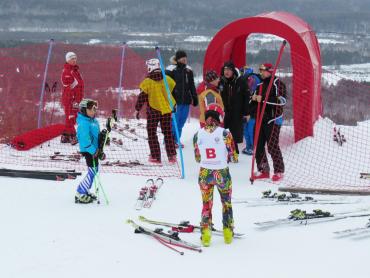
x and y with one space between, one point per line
355 232
276 199
185 227
338 137
148 193
40 174
300 217
365 176
170 240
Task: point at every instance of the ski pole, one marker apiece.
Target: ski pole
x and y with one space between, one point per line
256 137
171 106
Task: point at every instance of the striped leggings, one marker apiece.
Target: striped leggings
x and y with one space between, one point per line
87 182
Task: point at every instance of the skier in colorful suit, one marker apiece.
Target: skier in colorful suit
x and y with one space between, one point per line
88 137
214 148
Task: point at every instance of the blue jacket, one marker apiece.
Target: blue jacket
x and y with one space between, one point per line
87 133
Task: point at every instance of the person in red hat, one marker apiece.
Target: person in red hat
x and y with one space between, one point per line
210 95
214 148
73 93
272 119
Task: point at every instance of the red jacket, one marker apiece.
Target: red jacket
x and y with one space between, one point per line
73 85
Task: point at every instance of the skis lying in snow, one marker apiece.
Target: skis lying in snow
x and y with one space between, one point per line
167 239
276 199
355 231
118 163
185 227
130 130
300 217
365 176
40 174
124 133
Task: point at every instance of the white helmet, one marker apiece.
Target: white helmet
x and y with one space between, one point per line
70 55
152 64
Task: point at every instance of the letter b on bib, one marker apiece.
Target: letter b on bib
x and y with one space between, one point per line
211 153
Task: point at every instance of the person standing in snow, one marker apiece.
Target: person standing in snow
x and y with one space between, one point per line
235 97
252 80
184 91
158 110
213 148
73 93
272 119
210 95
88 137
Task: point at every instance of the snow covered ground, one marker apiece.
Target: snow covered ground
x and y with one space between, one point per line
45 234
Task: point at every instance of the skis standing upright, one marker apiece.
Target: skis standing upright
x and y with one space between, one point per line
153 191
143 194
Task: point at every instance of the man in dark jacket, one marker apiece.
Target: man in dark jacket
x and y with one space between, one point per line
235 97
272 120
184 91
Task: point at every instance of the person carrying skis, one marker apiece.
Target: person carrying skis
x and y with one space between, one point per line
210 95
88 137
272 119
158 110
214 148
73 93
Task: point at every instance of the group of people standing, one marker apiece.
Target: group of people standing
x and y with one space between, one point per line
230 103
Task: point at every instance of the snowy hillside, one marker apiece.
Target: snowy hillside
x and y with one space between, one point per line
45 234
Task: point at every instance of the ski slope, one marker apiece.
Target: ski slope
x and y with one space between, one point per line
45 234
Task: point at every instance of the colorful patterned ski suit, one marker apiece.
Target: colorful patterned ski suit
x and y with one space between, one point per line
209 178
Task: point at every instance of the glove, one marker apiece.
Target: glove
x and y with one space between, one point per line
137 115
174 109
195 101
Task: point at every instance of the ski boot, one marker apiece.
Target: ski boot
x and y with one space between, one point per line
261 175
65 138
277 177
206 237
83 198
73 140
298 214
228 235
266 194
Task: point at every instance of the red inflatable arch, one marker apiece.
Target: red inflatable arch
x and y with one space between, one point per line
230 44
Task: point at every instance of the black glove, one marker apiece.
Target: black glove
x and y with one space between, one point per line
195 101
137 115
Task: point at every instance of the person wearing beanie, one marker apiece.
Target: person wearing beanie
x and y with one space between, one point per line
210 95
72 94
158 110
235 97
214 148
184 91
272 120
88 131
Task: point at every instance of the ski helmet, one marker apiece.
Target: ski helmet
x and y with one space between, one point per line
152 64
70 55
215 111
86 103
